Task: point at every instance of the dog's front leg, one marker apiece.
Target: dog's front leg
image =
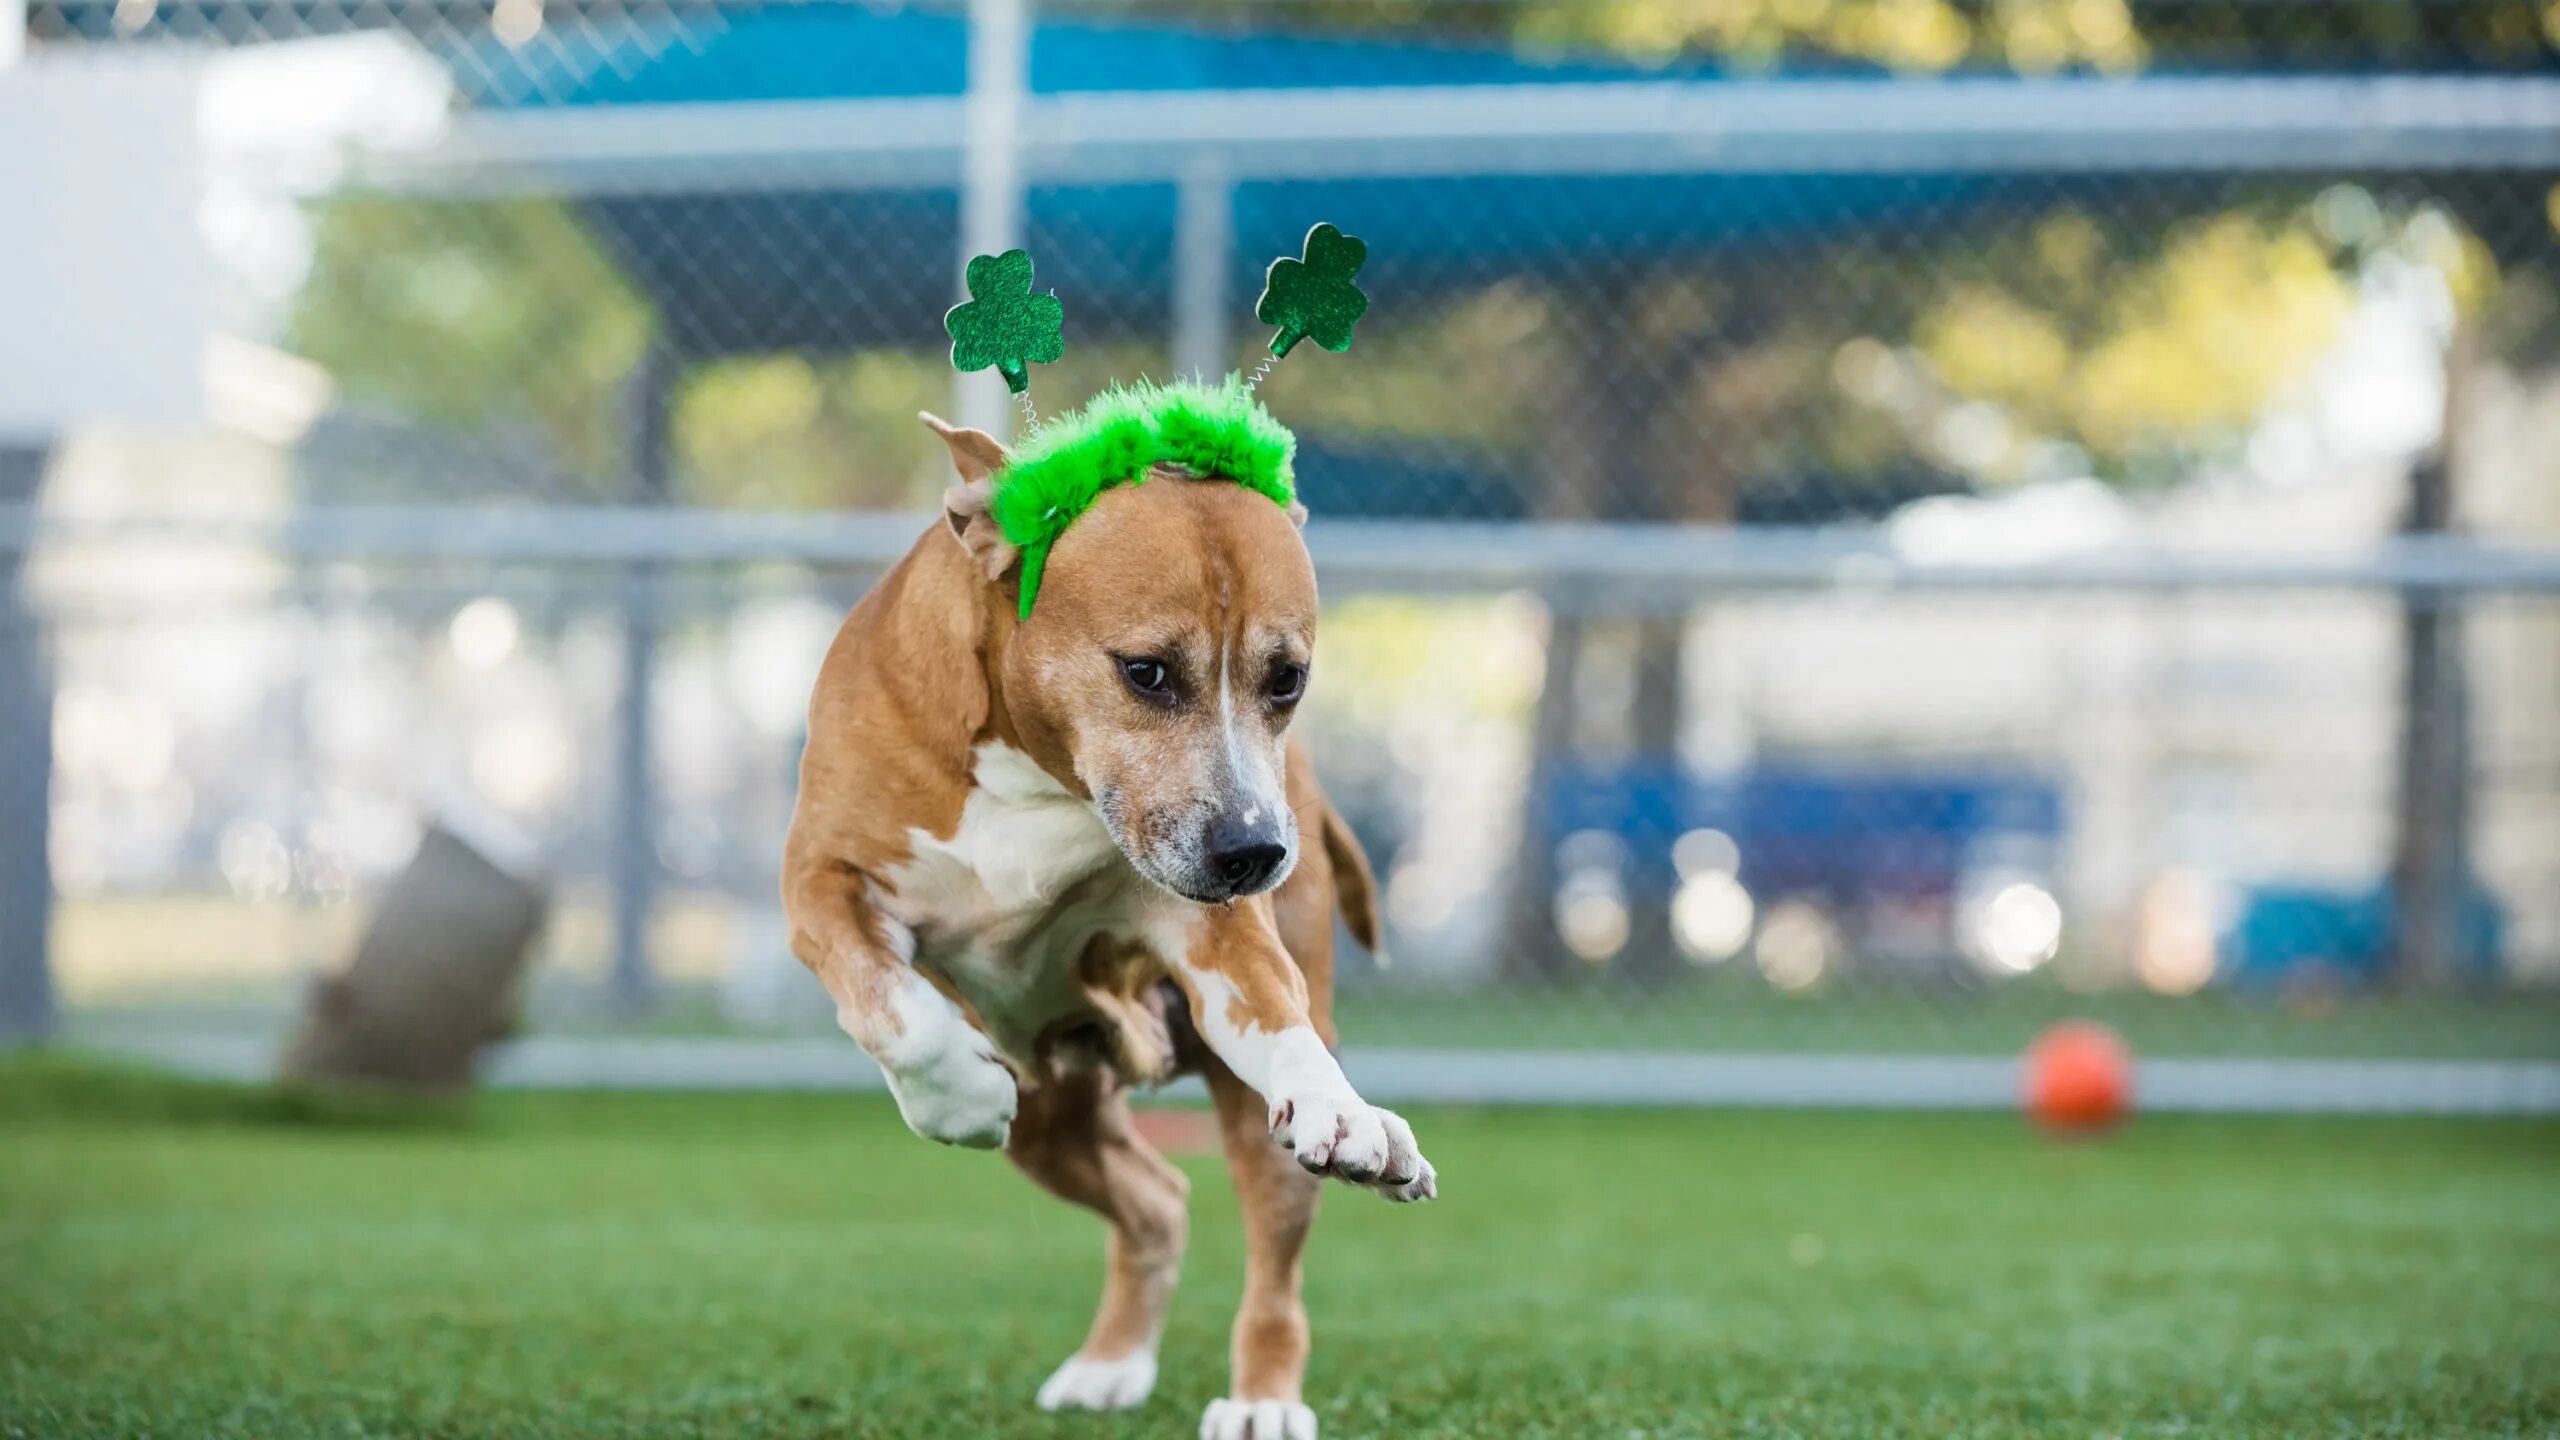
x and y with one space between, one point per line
949 1084
1249 1002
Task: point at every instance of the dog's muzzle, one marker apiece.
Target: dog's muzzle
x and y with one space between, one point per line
1244 858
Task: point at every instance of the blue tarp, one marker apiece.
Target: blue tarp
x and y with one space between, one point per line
827 270
1847 832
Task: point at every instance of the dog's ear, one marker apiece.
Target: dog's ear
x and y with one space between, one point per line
976 456
964 509
974 453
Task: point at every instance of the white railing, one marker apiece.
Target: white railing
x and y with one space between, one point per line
2174 125
1429 555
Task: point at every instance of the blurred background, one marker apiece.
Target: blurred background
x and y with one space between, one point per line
1853 528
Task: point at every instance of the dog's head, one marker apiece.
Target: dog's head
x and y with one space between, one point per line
1173 637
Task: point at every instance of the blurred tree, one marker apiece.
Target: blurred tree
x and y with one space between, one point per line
794 432
1924 35
505 324
2026 36
476 315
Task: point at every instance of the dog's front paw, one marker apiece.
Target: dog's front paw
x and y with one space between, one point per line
1350 1140
1084 1383
959 1096
1257 1420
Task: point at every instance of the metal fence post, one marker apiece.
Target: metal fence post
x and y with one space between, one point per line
1204 229
2431 836
646 397
2431 850
27 1009
991 176
26 733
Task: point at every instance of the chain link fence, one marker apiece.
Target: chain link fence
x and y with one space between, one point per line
1853 527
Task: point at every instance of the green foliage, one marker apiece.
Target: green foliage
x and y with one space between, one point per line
2141 347
1315 296
1215 432
2025 36
506 322
1002 323
2145 346
478 315
802 432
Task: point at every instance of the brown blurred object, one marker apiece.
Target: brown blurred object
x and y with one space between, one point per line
433 980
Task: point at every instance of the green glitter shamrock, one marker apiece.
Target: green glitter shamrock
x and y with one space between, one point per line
1002 323
1314 297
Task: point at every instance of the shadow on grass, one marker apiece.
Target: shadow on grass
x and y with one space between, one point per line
40 1085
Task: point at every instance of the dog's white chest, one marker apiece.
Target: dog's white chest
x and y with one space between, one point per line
1006 904
1023 841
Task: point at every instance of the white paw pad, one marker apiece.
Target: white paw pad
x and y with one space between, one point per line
1257 1420
1087 1384
1356 1142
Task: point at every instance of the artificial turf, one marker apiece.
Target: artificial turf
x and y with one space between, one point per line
184 1260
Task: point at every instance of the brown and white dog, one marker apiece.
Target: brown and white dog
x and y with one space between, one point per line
1038 862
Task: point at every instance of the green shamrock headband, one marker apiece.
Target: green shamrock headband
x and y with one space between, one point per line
1208 431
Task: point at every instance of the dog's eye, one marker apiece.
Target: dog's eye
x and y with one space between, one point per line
1148 677
1288 682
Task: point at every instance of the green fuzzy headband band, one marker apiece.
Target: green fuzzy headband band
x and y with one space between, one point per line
1211 432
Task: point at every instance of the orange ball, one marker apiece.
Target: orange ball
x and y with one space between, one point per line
2079 1078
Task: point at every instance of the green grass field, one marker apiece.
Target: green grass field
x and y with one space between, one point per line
189 1260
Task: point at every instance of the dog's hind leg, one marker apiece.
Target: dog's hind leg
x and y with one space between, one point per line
1073 1135
1268 1355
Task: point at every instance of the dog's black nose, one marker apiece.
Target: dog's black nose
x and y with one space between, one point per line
1246 868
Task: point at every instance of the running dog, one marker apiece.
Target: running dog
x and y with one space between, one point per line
1039 861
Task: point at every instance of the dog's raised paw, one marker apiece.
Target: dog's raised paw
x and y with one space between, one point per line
1356 1142
1424 1184
959 1097
1257 1420
1406 1177
1084 1383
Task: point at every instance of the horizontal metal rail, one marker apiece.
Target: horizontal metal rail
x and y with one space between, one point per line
1501 1077
2069 124
1606 559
